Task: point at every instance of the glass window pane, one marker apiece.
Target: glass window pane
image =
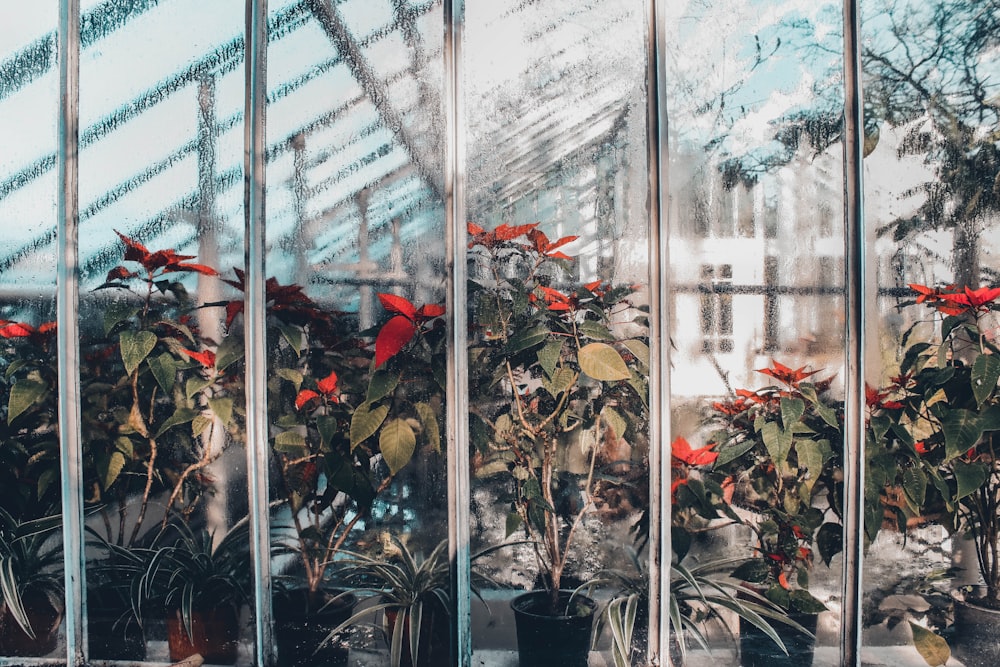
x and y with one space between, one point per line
31 610
558 353
933 215
356 331
161 228
755 101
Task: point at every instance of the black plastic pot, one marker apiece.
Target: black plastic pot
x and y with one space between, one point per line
976 637
759 650
113 633
547 637
302 621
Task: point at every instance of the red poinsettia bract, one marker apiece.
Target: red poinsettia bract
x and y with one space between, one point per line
400 329
327 389
162 261
952 301
787 375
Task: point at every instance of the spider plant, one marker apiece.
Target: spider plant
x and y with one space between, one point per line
30 565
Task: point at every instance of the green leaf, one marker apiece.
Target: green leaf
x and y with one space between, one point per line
512 524
222 408
931 647
602 362
791 411
753 571
562 381
117 312
230 351
181 416
915 486
732 451
382 384
366 421
194 385
397 443
431 427
135 347
777 441
985 374
290 442
200 424
595 330
829 541
292 334
110 468
292 375
164 368
327 427
22 395
804 602
961 431
548 356
968 477
615 421
639 349
526 339
124 445
811 457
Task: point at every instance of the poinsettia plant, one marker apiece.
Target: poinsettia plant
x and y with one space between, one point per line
342 418
780 447
935 428
558 385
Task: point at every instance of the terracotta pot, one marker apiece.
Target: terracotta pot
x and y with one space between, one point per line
547 637
302 621
976 639
214 635
44 620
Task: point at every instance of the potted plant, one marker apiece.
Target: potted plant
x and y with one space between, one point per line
780 449
343 426
939 421
557 377
199 584
31 585
411 592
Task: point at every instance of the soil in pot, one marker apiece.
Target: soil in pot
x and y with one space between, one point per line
113 633
44 620
976 636
302 621
759 650
214 635
547 636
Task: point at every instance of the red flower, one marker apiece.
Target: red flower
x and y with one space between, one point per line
39 336
543 247
786 375
498 236
327 387
554 299
951 302
304 397
397 332
288 300
205 358
167 261
681 450
875 399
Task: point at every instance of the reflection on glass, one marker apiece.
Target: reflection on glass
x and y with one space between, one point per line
558 356
162 381
932 206
755 104
356 333
31 582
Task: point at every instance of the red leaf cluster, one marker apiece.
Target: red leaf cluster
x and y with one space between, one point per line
952 301
163 261
400 329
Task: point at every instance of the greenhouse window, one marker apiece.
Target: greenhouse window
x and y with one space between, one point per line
440 332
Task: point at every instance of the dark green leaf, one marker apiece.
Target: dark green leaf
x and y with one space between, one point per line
135 347
383 383
526 339
791 411
829 541
548 356
595 331
327 427
117 312
430 423
804 602
753 571
915 485
777 441
22 395
164 369
230 351
969 477
366 421
180 416
961 431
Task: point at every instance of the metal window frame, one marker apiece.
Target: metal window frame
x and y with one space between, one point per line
67 290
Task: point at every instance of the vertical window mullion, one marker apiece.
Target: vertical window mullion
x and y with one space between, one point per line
457 399
255 335
854 396
660 549
67 302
